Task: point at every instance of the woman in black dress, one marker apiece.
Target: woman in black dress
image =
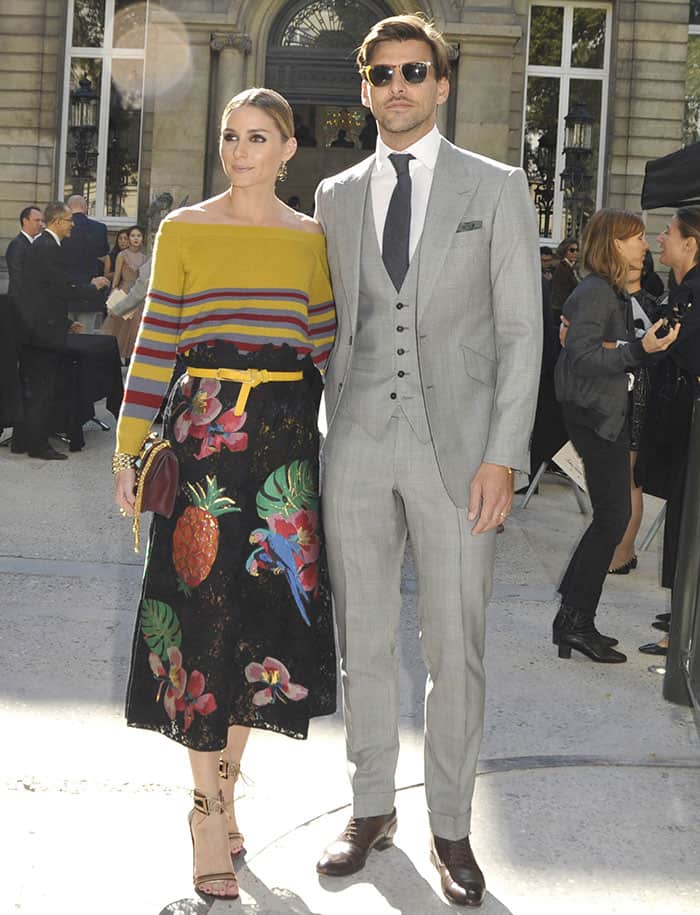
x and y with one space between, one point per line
234 629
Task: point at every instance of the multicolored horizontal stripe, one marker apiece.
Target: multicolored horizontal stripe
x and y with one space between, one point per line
181 312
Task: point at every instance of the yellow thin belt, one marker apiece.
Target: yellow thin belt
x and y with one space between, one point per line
248 378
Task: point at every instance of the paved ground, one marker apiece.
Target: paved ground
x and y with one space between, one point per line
586 801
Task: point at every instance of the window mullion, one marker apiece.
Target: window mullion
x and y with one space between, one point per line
103 136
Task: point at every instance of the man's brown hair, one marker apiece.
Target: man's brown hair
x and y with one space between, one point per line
599 252
411 27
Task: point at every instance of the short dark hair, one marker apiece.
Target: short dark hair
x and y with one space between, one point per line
24 215
53 210
563 246
545 249
410 27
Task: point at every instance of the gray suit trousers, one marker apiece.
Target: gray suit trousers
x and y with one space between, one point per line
375 493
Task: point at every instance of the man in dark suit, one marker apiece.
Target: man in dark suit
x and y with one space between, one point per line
564 279
45 296
31 222
86 252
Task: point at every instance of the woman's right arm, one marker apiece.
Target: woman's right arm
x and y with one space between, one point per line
154 356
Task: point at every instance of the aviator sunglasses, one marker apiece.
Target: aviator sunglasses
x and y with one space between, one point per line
378 75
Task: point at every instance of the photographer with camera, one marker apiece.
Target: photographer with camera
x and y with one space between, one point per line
679 244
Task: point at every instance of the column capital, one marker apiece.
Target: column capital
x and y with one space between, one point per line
239 41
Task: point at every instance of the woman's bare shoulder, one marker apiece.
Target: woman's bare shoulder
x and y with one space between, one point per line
205 211
308 224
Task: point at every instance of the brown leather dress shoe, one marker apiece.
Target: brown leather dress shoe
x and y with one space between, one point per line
349 852
460 875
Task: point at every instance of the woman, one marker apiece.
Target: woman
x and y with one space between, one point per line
121 243
235 625
592 384
680 250
643 307
126 271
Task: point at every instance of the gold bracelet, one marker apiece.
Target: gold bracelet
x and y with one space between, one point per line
123 461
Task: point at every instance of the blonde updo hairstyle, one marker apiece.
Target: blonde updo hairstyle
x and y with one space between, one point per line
267 100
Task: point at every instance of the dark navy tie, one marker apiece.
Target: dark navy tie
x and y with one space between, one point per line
397 228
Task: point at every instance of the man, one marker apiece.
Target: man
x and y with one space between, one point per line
564 278
431 393
86 252
31 223
46 293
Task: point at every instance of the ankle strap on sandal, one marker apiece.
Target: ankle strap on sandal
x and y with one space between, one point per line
229 769
208 805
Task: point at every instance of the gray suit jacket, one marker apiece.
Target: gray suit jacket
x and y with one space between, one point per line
479 312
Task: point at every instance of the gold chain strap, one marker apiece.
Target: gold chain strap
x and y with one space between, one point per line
145 467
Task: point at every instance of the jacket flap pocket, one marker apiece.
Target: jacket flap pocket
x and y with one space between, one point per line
479 367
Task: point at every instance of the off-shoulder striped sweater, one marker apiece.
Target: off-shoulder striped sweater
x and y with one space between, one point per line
246 285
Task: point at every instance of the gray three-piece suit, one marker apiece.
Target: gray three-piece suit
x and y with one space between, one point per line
424 384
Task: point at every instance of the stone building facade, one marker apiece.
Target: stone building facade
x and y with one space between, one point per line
120 99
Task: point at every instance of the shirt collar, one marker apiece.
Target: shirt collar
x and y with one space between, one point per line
29 238
424 150
54 236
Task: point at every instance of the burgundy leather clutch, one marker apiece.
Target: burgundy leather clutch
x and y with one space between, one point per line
157 479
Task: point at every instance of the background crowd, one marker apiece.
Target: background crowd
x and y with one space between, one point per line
70 321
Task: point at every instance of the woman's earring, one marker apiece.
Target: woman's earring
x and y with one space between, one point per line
282 172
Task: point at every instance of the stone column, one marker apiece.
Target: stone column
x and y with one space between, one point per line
229 52
484 85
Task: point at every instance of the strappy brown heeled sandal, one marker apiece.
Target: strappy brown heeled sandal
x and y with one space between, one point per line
208 806
232 770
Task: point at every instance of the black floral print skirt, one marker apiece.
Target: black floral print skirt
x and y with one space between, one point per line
235 624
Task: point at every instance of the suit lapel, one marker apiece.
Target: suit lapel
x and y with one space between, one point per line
350 196
451 190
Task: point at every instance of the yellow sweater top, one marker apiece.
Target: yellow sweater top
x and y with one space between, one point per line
245 285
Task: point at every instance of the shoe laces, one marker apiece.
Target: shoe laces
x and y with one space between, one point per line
351 831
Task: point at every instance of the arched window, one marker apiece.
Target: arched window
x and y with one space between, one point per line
312 45
331 24
311 61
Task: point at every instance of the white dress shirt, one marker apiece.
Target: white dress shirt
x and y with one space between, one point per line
383 181
30 238
58 240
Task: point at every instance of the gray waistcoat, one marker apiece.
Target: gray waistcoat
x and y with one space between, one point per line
383 379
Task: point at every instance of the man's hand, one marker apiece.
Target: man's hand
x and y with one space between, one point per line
76 328
124 484
490 497
99 282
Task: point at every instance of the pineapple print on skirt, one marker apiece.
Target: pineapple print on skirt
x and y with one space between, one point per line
196 535
234 622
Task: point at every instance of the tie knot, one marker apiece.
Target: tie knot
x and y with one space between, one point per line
400 162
